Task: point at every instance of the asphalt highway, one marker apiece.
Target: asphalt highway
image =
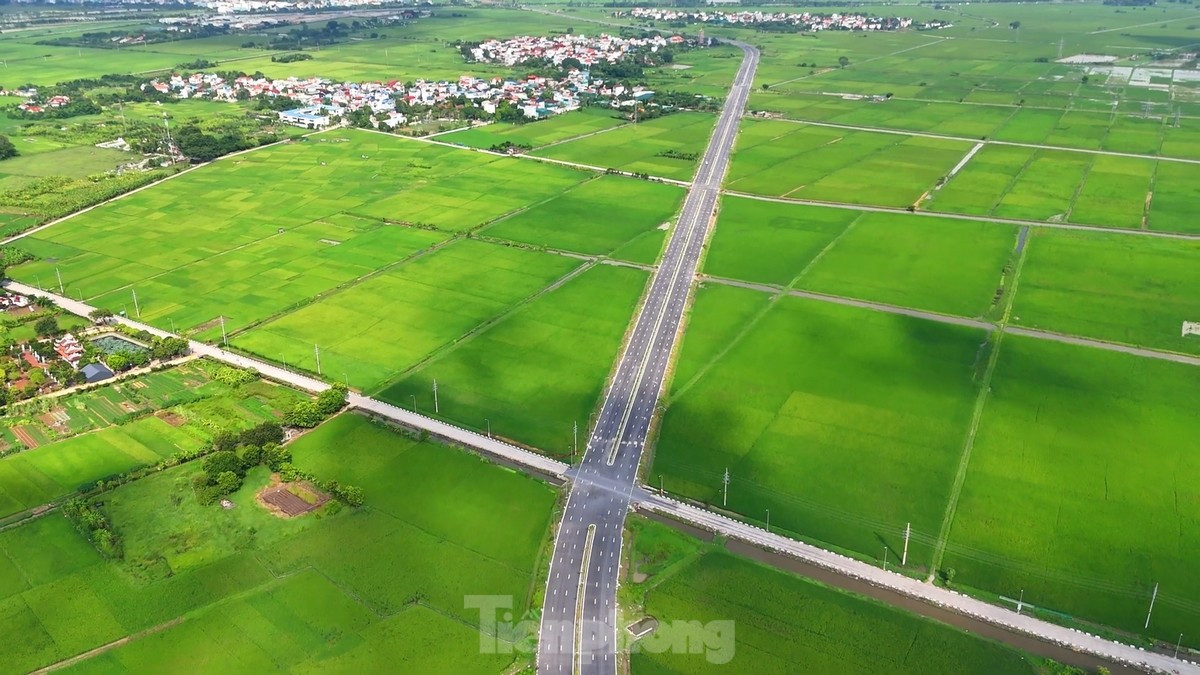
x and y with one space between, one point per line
578 632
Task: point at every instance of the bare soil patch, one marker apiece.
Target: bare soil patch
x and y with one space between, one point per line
174 419
289 500
24 436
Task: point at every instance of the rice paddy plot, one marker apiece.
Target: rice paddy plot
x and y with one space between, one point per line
1050 185
1080 491
845 423
370 332
596 217
941 265
542 132
39 476
241 587
843 633
538 372
828 164
769 242
203 246
1173 199
668 146
1121 288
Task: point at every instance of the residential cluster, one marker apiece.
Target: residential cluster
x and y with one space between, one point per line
321 100
33 104
804 20
558 48
238 6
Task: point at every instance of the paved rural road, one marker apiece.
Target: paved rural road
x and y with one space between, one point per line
386 410
579 619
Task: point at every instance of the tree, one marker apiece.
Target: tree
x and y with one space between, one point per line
37 376
118 361
219 462
228 481
766 86
1014 25
303 414
46 326
100 315
331 400
351 494
843 61
7 149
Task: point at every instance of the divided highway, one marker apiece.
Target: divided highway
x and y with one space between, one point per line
579 630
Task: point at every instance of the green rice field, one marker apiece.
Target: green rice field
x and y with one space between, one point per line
1135 290
536 373
843 633
942 265
556 129
407 313
583 219
201 247
645 147
379 587
855 433
834 165
1078 490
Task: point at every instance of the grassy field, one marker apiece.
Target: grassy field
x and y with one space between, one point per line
538 371
201 247
855 432
35 477
428 303
537 134
643 147
770 609
948 266
1136 290
1078 489
833 165
376 588
583 219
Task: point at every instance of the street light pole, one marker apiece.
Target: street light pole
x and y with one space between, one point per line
414 398
769 529
435 400
489 427
1177 643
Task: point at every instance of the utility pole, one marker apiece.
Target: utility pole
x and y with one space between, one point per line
489 427
769 529
1021 601
224 338
435 401
1060 47
907 534
1153 597
136 307
725 480
885 558
575 435
317 353
1177 643
662 491
60 283
414 398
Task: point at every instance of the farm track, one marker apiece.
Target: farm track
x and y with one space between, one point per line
985 141
967 322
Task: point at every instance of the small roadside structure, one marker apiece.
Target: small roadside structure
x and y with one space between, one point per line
96 372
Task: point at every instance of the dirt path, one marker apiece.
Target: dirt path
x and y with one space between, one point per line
103 648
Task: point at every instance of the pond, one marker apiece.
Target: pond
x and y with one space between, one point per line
111 344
